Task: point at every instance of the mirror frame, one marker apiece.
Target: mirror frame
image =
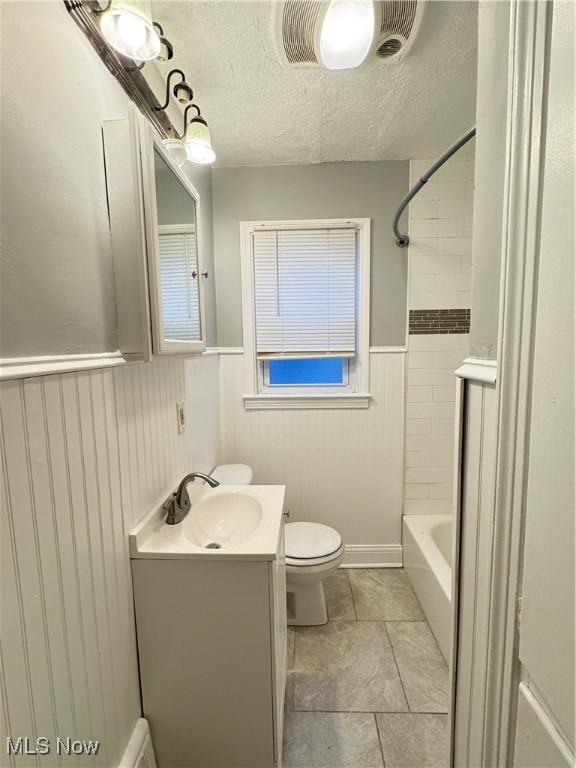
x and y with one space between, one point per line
150 142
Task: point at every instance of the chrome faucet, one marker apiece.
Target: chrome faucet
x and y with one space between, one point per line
178 505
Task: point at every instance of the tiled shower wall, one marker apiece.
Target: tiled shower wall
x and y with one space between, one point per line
439 301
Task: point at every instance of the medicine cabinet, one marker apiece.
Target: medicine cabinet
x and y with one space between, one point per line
156 243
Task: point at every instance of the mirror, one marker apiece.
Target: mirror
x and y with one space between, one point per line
178 268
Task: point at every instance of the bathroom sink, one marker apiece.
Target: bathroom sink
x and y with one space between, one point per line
228 522
222 520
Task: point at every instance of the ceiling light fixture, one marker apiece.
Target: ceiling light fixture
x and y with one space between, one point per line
197 140
346 33
127 26
181 91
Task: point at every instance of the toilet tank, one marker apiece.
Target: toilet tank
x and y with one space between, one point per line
233 474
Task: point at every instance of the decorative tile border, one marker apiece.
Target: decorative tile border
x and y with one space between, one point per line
439 321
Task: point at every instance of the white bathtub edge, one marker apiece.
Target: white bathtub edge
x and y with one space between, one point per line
429 573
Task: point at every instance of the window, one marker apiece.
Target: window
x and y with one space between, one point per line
178 260
305 289
311 371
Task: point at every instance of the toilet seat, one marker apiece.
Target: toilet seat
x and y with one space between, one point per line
311 544
309 563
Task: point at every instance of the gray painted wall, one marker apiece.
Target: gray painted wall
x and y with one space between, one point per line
330 190
493 30
57 290
57 287
173 203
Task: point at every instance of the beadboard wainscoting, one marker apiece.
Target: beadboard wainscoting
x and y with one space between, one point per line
472 574
440 227
341 467
84 456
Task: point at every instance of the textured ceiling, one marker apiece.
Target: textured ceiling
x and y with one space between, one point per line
263 113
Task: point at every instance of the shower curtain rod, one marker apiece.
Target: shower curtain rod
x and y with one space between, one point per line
403 240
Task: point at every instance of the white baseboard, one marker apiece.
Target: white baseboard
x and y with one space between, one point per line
139 753
372 556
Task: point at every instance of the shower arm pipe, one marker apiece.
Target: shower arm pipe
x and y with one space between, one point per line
402 240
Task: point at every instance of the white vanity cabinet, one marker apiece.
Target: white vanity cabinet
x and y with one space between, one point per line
212 655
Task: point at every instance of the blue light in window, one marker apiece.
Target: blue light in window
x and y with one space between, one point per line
306 370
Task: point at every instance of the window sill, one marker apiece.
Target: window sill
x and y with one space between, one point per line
305 402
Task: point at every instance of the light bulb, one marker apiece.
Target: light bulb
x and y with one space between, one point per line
176 149
183 93
197 142
127 26
346 33
132 29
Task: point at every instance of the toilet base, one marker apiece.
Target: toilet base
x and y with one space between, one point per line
305 598
306 605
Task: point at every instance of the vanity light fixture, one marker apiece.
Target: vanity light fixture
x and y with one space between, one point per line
166 47
197 139
182 91
346 33
197 142
138 65
176 149
127 25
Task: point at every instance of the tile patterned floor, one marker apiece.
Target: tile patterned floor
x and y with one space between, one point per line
370 688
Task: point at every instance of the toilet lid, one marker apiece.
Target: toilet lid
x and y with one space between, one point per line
306 541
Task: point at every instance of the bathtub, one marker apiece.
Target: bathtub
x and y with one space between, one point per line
427 551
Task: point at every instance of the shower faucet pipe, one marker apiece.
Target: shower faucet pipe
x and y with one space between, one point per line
402 240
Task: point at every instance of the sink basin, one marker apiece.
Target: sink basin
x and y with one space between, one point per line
231 522
222 520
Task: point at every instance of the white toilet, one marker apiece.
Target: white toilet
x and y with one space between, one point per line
313 552
232 474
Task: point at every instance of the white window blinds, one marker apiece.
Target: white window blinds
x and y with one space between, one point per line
305 291
179 286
